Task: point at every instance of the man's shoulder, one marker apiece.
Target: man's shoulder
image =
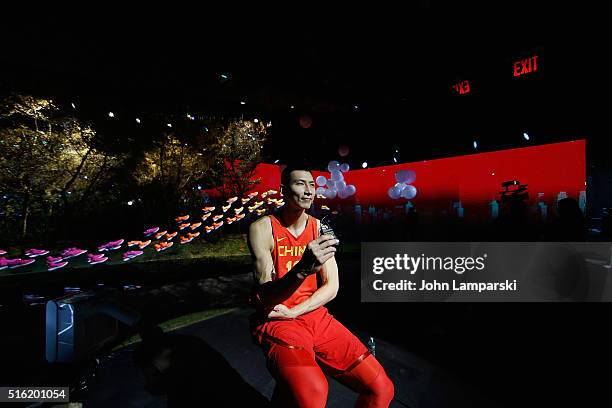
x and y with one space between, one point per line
318 221
262 224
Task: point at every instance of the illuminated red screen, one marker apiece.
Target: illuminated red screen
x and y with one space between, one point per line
473 179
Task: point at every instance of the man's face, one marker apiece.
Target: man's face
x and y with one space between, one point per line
301 189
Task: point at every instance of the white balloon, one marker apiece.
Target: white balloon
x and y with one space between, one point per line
340 185
343 194
405 176
336 175
321 180
344 167
330 194
409 192
351 189
330 183
333 165
400 187
394 193
320 191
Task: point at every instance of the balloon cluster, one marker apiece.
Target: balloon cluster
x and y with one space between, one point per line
335 186
403 188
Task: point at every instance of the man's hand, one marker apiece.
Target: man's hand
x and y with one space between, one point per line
281 312
317 252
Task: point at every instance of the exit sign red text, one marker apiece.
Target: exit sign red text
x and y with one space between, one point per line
526 66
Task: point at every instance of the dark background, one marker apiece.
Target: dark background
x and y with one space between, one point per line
397 66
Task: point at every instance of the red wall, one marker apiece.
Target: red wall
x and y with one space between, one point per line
474 179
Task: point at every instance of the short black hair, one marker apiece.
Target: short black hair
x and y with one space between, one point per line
286 173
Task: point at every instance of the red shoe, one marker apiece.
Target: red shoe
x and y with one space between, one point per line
162 246
186 240
144 244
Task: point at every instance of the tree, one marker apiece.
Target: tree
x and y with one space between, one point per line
222 156
168 170
49 161
235 152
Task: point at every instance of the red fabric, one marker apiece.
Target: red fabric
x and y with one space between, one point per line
300 350
288 251
318 332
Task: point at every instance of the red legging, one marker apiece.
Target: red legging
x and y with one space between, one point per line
302 383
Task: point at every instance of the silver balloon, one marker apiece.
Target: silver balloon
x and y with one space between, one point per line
333 165
321 180
330 184
330 193
320 191
409 192
336 175
344 167
405 176
340 185
343 193
394 193
351 189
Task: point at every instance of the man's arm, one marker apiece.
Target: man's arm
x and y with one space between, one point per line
324 294
260 242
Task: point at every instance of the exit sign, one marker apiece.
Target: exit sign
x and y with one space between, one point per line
525 66
462 87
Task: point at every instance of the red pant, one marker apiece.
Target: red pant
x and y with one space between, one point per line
299 351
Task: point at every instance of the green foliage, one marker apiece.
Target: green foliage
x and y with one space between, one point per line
49 161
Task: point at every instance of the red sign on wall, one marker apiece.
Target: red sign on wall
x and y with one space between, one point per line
526 66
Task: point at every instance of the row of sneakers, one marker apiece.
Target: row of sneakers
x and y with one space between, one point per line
140 244
189 237
192 226
59 262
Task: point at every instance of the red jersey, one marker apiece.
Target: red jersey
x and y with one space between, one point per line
288 251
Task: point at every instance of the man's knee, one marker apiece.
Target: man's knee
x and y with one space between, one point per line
382 387
304 386
369 377
300 379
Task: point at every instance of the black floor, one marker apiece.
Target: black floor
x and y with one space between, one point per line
418 384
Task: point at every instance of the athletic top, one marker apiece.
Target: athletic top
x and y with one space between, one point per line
287 251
